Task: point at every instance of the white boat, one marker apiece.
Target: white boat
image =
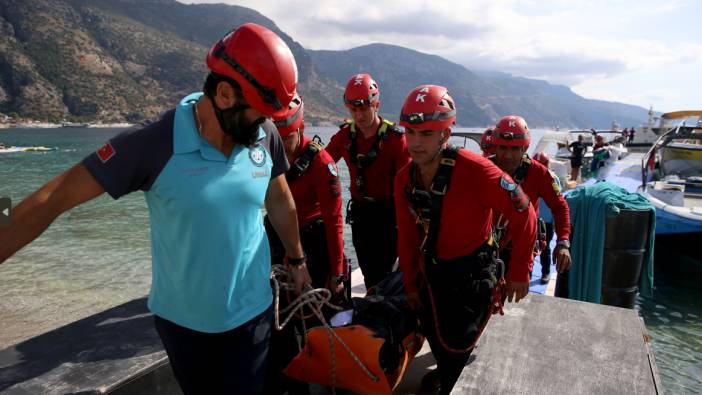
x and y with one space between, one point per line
672 174
556 145
5 150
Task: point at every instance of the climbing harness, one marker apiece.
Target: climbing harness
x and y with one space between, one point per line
305 159
426 208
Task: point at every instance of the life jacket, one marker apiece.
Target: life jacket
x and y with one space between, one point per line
363 161
305 159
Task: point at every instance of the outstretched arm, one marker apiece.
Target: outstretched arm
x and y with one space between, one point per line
34 214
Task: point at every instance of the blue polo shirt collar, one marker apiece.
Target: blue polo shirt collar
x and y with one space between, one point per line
186 138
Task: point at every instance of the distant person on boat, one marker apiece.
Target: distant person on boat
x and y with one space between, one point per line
206 169
512 138
487 143
314 182
444 200
577 150
600 142
547 216
374 149
600 156
632 132
625 135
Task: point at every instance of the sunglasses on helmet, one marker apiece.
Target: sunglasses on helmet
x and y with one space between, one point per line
416 118
511 136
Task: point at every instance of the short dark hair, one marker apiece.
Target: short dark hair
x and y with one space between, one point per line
209 88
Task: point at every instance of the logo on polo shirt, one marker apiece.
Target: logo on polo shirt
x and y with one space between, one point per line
257 154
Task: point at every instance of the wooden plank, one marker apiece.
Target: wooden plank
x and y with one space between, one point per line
550 345
98 354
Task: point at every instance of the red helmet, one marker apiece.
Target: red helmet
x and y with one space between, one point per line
261 63
361 91
428 107
512 130
291 120
541 157
487 142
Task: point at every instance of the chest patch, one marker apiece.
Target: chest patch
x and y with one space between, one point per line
257 154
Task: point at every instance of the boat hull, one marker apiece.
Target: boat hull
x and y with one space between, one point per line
673 220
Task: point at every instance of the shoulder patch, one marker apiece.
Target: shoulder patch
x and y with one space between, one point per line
106 152
332 169
507 184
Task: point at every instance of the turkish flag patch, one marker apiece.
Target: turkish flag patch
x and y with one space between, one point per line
106 152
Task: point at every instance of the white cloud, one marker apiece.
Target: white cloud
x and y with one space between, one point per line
586 44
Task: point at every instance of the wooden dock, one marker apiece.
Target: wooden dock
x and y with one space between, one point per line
116 351
542 345
550 345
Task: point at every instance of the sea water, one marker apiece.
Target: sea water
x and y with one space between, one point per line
97 256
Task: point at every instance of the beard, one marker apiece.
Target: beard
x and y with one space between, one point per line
232 122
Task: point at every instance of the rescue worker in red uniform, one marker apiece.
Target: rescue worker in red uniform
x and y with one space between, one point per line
512 139
487 143
444 201
374 150
315 187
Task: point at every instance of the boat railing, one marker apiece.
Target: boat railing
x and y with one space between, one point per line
678 131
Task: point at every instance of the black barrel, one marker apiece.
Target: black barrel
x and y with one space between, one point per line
626 243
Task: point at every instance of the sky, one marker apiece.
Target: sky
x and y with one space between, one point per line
642 52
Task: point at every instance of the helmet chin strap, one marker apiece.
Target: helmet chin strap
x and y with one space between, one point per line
441 148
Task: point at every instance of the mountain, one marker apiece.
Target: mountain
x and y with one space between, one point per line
116 60
481 96
398 70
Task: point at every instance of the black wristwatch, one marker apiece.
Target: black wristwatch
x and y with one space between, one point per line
297 261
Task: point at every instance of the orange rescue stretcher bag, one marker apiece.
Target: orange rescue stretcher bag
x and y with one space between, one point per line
379 344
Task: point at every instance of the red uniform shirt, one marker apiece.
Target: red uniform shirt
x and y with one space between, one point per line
317 193
539 183
392 156
477 187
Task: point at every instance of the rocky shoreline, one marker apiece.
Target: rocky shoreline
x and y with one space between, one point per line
48 125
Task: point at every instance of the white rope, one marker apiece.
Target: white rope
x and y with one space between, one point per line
314 299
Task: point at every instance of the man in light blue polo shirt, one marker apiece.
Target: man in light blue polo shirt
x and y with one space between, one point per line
206 168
